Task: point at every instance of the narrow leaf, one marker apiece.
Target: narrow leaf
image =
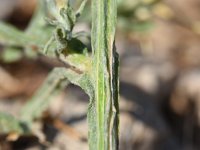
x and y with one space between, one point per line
34 108
9 124
9 35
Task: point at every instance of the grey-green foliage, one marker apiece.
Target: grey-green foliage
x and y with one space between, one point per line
18 43
14 41
96 73
8 123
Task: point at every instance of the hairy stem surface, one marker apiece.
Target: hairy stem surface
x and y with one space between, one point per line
103 134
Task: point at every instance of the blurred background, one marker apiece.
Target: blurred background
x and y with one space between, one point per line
159 46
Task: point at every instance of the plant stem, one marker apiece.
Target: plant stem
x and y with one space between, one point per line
105 76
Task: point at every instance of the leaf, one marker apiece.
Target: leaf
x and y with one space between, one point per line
81 8
38 28
9 35
11 54
56 81
34 108
38 21
9 124
35 36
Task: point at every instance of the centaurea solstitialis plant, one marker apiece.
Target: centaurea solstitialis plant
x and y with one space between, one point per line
95 73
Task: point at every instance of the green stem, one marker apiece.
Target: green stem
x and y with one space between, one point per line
105 76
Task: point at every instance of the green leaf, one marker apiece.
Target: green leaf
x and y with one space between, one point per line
56 81
81 8
34 108
9 124
38 29
35 36
9 35
11 54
